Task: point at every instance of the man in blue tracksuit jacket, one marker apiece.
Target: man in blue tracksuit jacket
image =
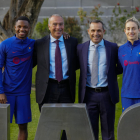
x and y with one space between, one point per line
129 64
15 82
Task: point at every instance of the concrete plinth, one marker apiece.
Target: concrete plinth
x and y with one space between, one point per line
4 122
73 118
129 124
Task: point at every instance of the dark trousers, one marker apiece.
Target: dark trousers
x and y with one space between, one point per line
99 104
57 93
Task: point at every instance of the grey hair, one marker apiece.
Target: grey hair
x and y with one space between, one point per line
54 15
133 19
97 21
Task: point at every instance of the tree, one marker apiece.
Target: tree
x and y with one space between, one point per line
28 8
41 29
72 28
117 22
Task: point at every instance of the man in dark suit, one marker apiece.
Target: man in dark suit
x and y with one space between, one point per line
98 86
56 64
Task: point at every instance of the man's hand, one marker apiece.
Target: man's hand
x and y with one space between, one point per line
66 35
3 98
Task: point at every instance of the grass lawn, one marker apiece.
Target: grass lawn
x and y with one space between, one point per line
32 126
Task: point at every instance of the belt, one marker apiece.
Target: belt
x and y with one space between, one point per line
61 82
99 89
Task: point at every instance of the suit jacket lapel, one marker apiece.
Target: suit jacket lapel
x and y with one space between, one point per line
46 49
85 48
68 50
108 53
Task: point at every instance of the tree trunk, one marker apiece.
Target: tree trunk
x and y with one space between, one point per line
28 8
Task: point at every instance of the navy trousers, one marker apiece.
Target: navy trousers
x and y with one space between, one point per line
57 93
99 105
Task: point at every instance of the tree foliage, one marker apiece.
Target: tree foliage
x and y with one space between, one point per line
28 8
42 28
94 14
73 28
117 22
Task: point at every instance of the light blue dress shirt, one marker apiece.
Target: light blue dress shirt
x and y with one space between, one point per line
63 57
102 65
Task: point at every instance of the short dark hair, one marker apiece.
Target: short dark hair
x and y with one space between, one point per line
23 18
97 21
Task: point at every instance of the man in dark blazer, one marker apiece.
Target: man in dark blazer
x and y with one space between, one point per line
56 64
49 89
98 86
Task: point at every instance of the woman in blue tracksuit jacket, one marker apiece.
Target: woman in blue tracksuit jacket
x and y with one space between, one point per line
129 64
